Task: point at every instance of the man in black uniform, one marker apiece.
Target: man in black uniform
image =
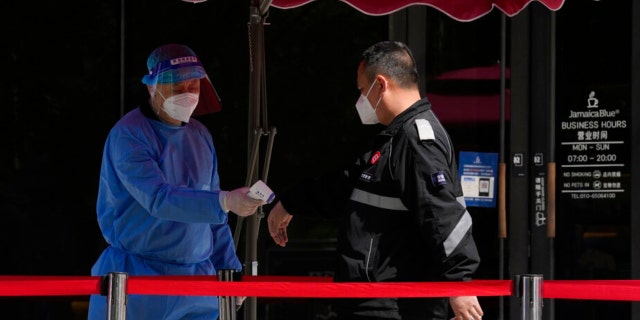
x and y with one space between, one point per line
401 208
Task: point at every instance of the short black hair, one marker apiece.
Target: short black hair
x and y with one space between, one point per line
393 59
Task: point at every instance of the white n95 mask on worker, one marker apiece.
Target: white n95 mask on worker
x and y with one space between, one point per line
366 111
181 106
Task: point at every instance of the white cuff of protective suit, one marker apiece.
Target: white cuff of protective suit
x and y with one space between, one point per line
239 301
222 197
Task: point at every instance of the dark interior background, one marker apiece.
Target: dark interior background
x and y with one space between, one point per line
61 93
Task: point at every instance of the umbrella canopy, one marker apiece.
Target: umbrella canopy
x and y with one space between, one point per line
459 10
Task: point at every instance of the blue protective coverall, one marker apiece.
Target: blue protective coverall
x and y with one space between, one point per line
158 210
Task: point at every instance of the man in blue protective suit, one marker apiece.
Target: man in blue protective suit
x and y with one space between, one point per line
159 206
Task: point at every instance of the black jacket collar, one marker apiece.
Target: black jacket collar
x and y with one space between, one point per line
419 106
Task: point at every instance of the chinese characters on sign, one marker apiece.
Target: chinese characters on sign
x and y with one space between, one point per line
593 148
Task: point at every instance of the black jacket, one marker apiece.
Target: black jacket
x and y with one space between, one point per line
402 215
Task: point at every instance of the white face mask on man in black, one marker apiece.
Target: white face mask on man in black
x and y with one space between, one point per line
366 111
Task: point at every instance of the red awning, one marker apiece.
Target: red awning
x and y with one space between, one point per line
461 10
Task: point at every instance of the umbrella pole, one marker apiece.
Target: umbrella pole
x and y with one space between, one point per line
257 13
250 308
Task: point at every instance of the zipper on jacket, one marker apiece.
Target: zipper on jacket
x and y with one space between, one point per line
366 266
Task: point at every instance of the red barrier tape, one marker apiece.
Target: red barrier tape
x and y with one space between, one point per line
251 286
20 286
289 287
312 287
628 290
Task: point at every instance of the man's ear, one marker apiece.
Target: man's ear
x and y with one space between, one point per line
151 90
383 82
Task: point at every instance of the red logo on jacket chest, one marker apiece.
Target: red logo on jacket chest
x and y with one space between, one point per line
375 157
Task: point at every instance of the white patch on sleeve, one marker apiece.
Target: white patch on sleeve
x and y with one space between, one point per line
425 131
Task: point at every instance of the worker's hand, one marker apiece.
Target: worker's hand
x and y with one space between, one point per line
239 202
278 220
466 308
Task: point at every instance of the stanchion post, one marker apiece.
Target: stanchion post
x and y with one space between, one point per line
114 286
227 304
528 287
